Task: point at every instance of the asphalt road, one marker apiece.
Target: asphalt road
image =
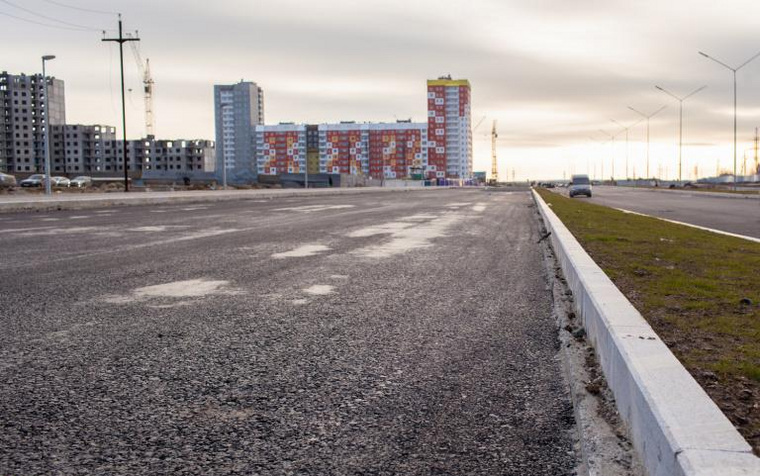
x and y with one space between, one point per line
376 334
734 215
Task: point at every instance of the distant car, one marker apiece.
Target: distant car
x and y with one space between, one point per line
59 181
7 181
36 180
81 181
580 185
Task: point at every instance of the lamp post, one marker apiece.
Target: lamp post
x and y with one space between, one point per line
680 120
733 70
626 129
612 138
47 125
647 117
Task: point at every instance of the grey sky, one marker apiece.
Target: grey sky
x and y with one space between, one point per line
552 72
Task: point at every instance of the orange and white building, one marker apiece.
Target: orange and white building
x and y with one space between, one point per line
281 149
449 128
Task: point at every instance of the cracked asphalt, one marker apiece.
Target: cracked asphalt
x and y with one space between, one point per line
373 334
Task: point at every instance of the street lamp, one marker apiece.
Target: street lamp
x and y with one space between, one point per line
612 137
680 120
46 103
647 117
626 129
733 70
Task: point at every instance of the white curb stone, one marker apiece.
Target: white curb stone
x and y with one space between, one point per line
676 428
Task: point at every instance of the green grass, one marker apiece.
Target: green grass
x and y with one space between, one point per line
688 284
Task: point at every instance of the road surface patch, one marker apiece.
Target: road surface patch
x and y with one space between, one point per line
320 290
411 238
386 228
191 288
313 208
302 251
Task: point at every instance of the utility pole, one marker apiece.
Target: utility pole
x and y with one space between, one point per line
757 163
121 40
48 191
494 162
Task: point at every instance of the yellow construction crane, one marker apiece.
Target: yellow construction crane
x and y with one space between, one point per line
147 81
494 164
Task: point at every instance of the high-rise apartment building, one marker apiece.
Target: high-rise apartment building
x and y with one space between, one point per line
449 128
23 120
77 148
239 108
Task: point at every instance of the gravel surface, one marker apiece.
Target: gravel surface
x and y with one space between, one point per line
373 334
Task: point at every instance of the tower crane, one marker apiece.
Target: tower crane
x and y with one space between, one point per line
147 81
494 164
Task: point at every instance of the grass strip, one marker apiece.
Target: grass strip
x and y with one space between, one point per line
700 291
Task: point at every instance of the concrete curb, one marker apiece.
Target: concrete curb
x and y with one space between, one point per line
84 201
676 428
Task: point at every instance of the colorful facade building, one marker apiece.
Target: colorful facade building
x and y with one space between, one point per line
383 150
397 150
449 128
281 149
343 148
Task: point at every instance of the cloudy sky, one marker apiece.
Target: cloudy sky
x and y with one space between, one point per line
551 72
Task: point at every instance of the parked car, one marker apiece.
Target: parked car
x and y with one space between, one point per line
580 185
59 181
81 181
36 180
7 181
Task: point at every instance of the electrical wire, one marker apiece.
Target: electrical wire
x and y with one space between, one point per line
32 12
89 10
44 24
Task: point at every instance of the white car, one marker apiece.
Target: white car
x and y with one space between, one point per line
59 181
7 181
81 181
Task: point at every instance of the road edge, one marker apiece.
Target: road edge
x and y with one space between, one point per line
737 196
675 427
698 227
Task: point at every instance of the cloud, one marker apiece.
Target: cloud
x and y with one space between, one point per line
552 72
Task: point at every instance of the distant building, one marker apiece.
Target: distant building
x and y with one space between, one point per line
94 150
238 109
390 150
449 128
23 119
184 156
78 149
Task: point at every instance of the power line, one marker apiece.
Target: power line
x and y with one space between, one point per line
89 10
32 12
44 24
